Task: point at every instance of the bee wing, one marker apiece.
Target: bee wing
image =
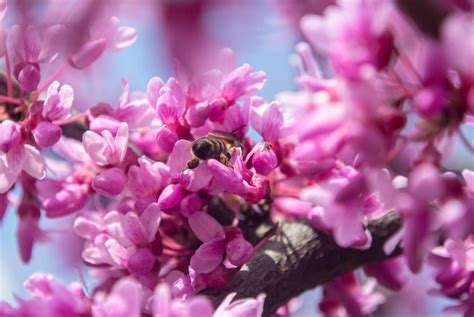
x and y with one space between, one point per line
226 136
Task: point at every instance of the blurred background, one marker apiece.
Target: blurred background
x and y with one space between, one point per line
262 33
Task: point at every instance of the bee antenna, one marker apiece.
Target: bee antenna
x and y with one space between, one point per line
239 128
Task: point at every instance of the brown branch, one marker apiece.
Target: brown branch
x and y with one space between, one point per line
299 258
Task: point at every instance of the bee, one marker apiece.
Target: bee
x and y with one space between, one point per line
214 145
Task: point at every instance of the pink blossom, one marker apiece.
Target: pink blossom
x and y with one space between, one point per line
51 298
345 296
58 102
453 267
105 34
353 34
106 149
124 300
60 198
22 157
165 306
10 135
210 254
268 122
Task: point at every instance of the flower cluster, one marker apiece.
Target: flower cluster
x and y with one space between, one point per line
162 185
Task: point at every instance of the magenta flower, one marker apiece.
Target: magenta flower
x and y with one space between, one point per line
453 265
31 47
124 300
216 244
17 157
51 298
106 149
105 34
345 296
58 102
165 306
353 34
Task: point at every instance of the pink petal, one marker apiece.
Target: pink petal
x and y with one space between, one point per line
205 227
95 146
88 53
226 177
133 229
162 300
179 158
7 177
153 90
123 301
239 251
208 256
34 162
150 219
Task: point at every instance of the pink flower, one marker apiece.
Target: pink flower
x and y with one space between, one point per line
105 34
246 307
210 254
31 47
343 206
268 122
106 149
424 186
20 157
453 265
353 34
124 300
62 197
237 180
242 82
391 273
10 135
345 296
147 180
171 103
264 160
58 102
165 306
51 298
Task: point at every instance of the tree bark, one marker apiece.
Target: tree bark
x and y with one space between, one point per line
299 258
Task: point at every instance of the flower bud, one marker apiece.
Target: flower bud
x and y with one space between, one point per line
29 77
141 262
170 197
9 135
166 139
264 160
109 183
47 134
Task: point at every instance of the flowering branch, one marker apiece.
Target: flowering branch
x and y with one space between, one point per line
299 258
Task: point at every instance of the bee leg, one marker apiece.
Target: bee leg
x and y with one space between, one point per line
224 158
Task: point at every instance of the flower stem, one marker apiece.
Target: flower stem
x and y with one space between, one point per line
9 99
50 81
77 117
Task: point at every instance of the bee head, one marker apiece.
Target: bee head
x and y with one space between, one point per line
202 149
